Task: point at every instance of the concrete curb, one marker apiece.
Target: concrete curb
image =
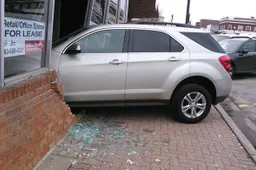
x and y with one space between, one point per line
241 137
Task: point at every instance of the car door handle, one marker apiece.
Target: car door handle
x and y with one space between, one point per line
116 62
173 59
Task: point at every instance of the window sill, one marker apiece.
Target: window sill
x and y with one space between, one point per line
23 77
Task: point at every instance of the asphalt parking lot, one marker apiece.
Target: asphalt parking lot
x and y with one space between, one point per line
241 105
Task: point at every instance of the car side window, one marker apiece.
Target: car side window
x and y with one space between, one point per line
175 46
153 41
249 46
107 41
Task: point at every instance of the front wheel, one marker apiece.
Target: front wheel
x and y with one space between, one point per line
191 103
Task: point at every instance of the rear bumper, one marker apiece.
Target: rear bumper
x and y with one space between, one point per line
220 99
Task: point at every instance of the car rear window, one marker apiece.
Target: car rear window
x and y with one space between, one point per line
205 40
231 45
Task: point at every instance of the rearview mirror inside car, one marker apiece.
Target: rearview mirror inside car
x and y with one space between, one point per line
74 49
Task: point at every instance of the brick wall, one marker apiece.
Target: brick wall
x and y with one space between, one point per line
33 117
205 22
142 9
235 26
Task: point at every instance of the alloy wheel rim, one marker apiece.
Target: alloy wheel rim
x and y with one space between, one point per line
193 104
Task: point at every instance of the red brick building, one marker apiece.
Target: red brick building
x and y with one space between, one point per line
239 24
205 22
142 9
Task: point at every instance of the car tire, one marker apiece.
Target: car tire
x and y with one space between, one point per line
232 71
181 102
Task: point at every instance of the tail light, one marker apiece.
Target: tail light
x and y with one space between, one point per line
225 62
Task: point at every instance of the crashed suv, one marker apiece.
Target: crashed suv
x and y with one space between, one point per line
141 63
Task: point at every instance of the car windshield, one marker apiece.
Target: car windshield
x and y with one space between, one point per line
219 38
230 45
58 42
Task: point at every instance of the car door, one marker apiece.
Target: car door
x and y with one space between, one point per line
246 61
98 71
152 56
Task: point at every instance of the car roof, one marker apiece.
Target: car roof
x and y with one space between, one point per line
237 35
237 39
218 35
129 25
222 34
149 26
175 31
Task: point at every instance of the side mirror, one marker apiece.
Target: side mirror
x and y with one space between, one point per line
243 51
74 49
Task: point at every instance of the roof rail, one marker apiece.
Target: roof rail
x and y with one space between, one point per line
162 23
250 37
232 37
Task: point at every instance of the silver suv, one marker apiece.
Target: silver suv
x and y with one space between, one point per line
129 64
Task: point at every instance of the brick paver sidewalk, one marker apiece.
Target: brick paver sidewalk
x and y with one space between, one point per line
149 142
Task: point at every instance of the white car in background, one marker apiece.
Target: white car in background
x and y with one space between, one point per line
220 37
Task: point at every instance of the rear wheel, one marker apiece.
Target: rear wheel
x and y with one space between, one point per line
191 103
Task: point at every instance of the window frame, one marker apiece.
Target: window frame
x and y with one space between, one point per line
109 15
248 29
86 33
2 12
170 43
131 41
240 28
217 47
49 14
230 25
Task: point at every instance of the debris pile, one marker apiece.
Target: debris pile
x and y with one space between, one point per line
99 140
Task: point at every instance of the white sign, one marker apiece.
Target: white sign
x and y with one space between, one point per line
23 37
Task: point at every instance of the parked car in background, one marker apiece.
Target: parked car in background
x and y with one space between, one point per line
242 52
220 37
140 63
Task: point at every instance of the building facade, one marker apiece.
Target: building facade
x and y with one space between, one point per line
238 24
142 9
205 22
88 12
197 24
33 116
94 12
